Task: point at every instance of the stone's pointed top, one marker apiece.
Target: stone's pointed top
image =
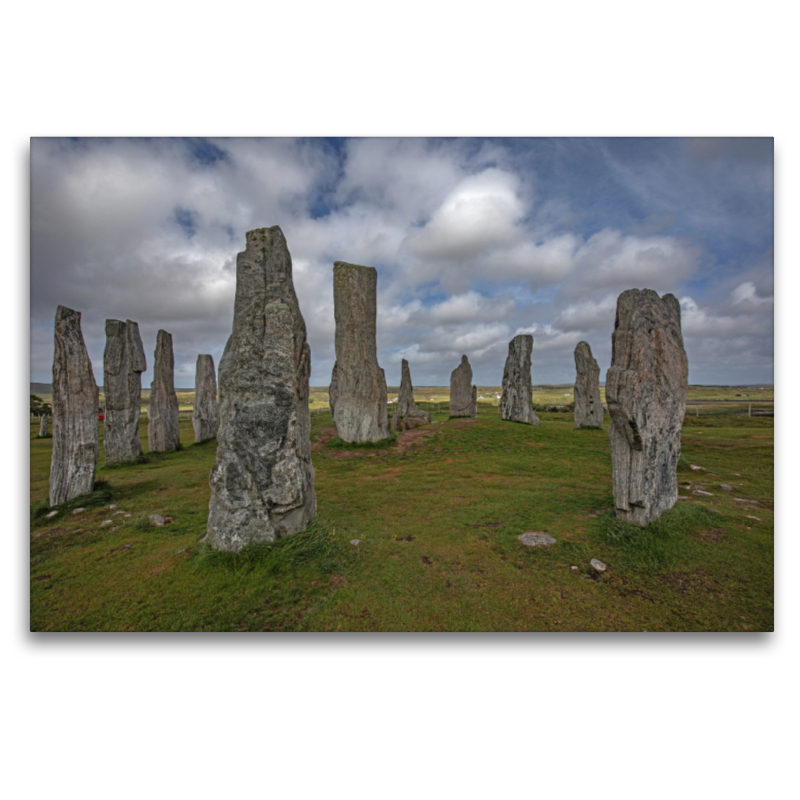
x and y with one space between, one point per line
404 364
63 313
464 360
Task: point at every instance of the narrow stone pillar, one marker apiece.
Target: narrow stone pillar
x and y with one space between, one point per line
463 395
43 426
205 415
123 365
405 398
163 430
516 404
76 439
646 394
262 484
358 382
588 408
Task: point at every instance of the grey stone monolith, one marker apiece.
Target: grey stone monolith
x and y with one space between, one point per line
405 398
646 395
163 430
588 407
262 484
463 395
123 365
43 426
205 415
516 403
76 439
358 384
333 392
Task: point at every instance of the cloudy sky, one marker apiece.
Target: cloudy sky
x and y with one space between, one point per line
474 240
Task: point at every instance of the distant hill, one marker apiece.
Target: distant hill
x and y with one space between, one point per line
41 388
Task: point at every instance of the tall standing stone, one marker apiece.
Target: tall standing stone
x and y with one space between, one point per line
205 415
405 398
76 439
360 384
333 392
43 426
588 407
646 394
262 484
163 431
463 395
123 365
516 404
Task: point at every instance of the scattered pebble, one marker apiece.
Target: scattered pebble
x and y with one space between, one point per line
702 493
182 550
725 487
534 538
694 466
158 520
78 510
112 507
51 514
683 497
750 516
121 512
355 542
597 565
745 500
736 474
574 568
106 522
127 515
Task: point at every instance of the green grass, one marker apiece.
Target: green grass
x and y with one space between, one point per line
438 526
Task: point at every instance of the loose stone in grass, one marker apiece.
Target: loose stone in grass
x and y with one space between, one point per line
78 510
163 430
646 393
516 402
694 466
51 514
597 565
158 520
702 493
112 506
123 364
536 538
76 440
262 484
588 408
750 516
463 395
106 522
355 542
205 415
725 487
358 382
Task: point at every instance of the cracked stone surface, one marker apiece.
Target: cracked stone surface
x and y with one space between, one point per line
588 407
646 394
163 430
205 414
463 395
76 439
516 403
405 397
262 484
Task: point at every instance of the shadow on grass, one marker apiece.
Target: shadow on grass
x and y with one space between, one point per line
102 494
381 445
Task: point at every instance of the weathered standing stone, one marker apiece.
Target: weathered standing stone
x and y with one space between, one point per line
463 395
43 426
646 394
76 440
262 484
358 384
333 392
123 365
163 431
588 408
405 398
516 404
205 415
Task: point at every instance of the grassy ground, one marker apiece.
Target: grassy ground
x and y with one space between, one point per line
438 515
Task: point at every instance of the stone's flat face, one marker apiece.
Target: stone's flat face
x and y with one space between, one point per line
536 538
588 406
463 395
333 391
123 364
358 385
405 398
163 430
262 484
646 395
205 415
516 404
76 439
43 425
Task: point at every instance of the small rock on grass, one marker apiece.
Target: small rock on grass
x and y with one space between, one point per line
597 565
51 514
78 510
694 466
702 493
725 487
106 522
355 542
574 568
120 512
536 538
112 506
750 516
158 520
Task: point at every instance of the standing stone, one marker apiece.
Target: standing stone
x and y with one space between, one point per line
646 394
76 439
123 365
163 431
516 404
463 395
333 392
405 399
205 416
588 408
43 427
262 484
359 396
